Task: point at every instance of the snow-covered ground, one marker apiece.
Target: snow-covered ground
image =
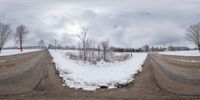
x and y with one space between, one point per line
90 77
16 51
182 53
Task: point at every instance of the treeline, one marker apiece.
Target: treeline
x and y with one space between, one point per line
24 47
142 49
118 49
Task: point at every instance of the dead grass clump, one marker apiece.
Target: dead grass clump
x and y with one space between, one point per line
121 57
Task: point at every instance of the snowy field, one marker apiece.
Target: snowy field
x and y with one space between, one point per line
182 53
90 77
16 51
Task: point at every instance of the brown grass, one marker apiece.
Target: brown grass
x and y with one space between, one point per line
121 57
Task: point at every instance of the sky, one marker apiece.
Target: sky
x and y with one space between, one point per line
124 23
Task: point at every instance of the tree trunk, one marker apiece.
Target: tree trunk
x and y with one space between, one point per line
84 54
104 55
21 48
0 50
199 47
84 51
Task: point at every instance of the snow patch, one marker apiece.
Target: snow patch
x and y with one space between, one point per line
8 52
181 60
91 77
182 53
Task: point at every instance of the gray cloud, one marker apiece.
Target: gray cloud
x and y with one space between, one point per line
131 23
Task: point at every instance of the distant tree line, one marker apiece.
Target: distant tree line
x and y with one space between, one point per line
118 49
24 47
145 48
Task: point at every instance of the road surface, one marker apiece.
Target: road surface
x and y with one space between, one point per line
33 76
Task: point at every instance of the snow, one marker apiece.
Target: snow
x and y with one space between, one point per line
16 51
181 60
182 53
91 77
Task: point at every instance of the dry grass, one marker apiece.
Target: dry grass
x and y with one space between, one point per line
114 58
122 57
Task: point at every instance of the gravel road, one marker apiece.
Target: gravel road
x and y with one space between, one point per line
32 76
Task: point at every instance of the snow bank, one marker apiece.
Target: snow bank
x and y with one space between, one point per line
182 53
15 51
91 77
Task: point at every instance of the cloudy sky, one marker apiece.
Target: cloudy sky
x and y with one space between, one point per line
125 23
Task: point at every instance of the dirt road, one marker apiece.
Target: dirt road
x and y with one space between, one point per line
32 76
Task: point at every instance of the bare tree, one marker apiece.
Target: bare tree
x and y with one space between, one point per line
146 48
83 39
90 47
105 47
193 34
20 34
5 31
87 49
109 53
99 52
41 43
